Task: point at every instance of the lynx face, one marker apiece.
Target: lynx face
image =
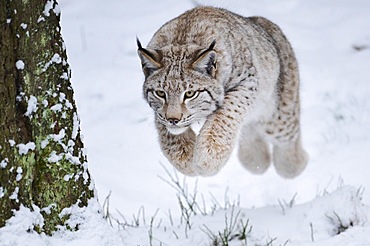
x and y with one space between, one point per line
180 85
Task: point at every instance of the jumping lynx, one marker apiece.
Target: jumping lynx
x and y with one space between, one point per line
239 78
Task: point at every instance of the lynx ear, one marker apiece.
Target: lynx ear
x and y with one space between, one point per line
150 59
206 61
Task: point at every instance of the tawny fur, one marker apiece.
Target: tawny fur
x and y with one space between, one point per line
237 74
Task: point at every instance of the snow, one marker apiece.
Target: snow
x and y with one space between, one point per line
76 125
14 195
54 157
332 44
55 59
44 143
64 76
19 174
67 177
48 7
24 26
57 107
24 148
31 106
4 163
45 103
58 137
11 142
40 19
19 65
73 159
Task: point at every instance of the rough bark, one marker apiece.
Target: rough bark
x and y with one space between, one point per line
41 153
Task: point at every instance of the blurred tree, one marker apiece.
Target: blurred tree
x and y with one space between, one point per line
41 154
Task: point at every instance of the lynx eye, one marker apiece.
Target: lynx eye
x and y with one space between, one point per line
191 94
160 94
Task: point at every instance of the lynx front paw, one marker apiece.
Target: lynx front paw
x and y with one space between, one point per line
205 165
209 156
186 170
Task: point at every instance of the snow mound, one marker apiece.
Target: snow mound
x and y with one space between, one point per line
93 229
331 219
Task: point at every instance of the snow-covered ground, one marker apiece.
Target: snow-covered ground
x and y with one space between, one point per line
332 43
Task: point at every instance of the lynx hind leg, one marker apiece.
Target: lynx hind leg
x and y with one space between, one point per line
283 130
289 158
253 153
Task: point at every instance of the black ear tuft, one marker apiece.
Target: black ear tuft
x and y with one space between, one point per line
212 45
206 61
138 43
150 59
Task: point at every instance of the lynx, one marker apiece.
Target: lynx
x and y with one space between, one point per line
238 79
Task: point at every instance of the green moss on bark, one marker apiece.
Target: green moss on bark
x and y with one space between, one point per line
53 175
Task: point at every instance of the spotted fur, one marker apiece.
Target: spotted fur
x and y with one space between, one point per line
237 75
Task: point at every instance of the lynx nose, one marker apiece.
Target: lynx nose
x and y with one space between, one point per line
173 121
173 114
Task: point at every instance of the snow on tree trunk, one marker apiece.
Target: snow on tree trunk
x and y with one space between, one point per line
41 154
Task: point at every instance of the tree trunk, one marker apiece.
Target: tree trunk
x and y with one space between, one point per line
41 154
